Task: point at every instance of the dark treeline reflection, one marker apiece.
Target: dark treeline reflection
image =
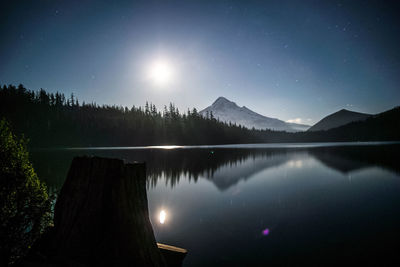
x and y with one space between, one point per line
223 166
348 159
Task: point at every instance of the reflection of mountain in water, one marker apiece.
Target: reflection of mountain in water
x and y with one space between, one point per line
223 166
228 175
344 165
349 159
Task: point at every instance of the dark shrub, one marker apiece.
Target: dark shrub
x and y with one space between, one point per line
25 207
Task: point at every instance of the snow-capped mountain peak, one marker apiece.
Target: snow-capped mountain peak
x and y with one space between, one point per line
228 111
221 102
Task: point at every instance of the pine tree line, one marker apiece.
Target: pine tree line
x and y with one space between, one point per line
52 119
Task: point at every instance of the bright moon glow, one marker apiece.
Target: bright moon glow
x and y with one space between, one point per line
161 72
163 215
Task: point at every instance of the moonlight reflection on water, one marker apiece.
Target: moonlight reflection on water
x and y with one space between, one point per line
233 206
163 216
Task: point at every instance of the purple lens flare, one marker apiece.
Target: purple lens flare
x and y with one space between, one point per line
265 231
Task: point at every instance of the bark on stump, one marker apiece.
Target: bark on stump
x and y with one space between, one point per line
101 215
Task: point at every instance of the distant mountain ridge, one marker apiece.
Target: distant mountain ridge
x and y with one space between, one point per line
228 111
379 127
337 119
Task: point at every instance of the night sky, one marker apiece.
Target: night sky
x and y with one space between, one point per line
283 59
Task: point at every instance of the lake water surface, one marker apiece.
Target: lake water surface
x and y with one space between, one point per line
259 205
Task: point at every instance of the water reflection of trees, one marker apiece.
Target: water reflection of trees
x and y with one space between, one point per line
171 165
192 164
53 165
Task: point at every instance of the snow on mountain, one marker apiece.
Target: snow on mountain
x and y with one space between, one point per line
228 111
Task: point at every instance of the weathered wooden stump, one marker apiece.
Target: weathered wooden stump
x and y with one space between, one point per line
101 215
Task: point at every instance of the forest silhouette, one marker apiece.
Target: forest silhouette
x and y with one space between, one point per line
54 120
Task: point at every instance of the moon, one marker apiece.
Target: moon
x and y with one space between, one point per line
161 72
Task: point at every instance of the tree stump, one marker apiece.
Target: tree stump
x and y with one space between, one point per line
101 215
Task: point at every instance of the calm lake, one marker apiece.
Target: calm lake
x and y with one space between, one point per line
259 205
